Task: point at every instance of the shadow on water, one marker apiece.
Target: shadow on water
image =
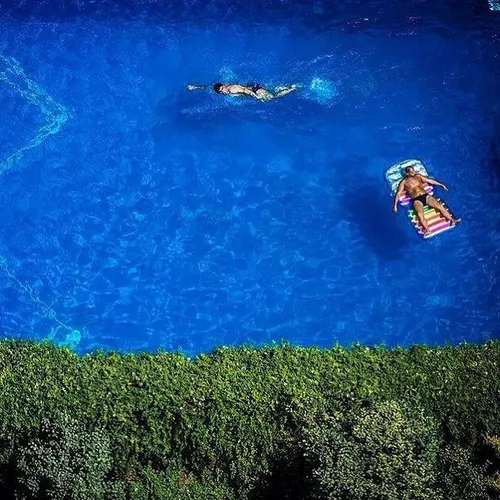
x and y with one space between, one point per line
202 111
191 114
369 208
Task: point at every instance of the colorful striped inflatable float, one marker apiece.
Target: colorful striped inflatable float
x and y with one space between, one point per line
437 223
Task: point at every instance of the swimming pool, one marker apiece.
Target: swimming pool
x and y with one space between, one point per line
139 215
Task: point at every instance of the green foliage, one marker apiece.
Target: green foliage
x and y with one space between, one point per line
176 485
66 462
462 477
232 423
385 452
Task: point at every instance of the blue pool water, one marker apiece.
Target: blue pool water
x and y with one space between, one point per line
138 215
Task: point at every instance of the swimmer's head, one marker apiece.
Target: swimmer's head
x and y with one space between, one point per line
218 88
410 171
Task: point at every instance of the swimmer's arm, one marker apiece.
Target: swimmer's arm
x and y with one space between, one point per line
434 182
399 192
196 87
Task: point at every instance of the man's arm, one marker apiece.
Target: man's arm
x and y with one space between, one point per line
196 87
399 192
434 182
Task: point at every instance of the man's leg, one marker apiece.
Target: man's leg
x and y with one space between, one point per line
419 208
263 94
432 202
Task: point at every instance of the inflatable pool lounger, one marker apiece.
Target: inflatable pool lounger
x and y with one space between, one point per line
437 223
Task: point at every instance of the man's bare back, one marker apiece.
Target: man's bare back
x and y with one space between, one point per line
254 90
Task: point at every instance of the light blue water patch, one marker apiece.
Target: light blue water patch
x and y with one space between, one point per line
41 313
494 4
70 339
322 91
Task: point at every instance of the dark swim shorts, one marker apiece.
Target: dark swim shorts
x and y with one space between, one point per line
422 198
255 86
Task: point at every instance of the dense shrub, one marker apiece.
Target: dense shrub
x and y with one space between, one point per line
249 423
493 445
65 461
174 484
462 477
385 452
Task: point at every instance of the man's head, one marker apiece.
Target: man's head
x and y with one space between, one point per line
218 88
410 171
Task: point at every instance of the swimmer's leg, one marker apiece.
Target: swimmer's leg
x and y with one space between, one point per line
282 91
263 94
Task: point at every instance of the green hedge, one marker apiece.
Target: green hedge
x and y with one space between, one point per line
280 422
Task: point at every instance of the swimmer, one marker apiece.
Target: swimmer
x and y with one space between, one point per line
414 185
254 90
